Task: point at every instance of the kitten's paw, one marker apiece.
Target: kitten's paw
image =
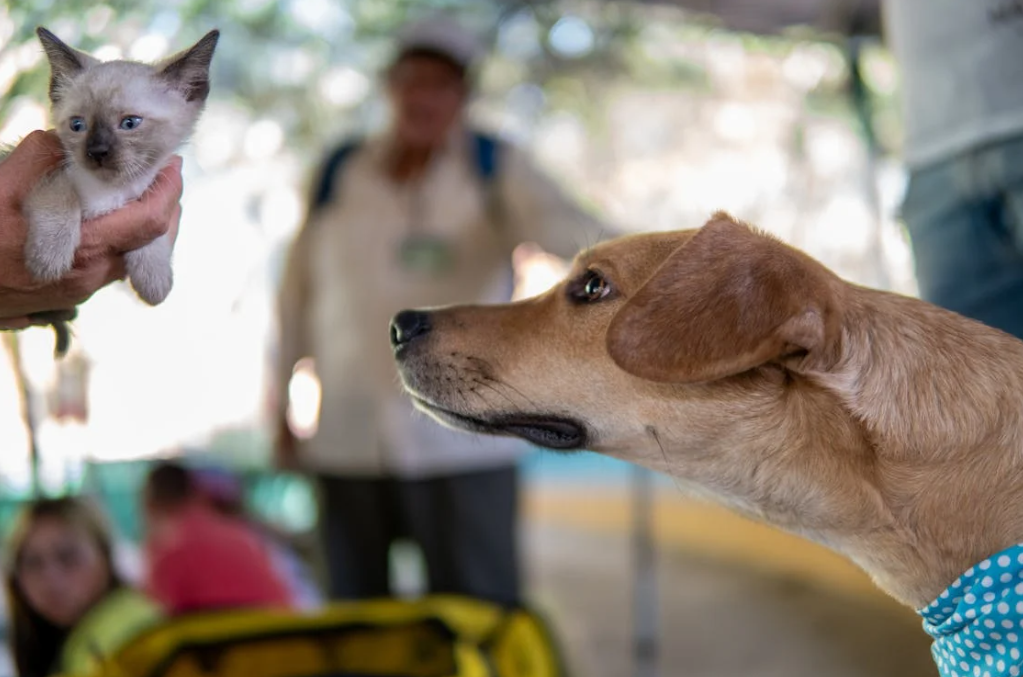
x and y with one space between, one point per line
150 272
54 216
51 244
152 286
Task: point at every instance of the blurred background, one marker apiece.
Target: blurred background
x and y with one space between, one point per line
654 115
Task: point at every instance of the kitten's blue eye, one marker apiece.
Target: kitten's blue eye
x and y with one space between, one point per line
77 124
131 122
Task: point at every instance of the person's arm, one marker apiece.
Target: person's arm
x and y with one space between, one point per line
99 259
539 211
293 341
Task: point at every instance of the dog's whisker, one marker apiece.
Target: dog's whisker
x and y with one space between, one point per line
480 397
521 394
494 385
503 384
667 462
476 372
465 400
495 390
483 372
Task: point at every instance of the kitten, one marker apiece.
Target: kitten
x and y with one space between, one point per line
119 122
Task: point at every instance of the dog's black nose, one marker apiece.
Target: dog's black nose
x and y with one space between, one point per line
408 325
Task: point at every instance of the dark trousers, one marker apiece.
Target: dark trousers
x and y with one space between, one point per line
465 525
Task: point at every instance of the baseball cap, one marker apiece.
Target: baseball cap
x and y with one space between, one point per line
443 35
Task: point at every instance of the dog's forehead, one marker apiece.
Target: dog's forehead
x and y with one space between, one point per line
634 254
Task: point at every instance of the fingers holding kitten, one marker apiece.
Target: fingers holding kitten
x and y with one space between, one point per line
15 323
138 223
174 222
82 260
34 157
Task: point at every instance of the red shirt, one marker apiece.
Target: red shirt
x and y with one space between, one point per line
205 561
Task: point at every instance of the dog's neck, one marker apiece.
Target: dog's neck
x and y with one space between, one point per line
880 460
946 437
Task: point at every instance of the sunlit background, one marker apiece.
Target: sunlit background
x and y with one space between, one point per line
655 118
652 116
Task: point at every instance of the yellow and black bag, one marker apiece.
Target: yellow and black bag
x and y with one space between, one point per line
440 636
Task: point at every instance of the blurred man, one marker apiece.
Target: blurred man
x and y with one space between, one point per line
427 213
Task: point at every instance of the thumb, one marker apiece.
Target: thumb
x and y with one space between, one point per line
37 154
523 253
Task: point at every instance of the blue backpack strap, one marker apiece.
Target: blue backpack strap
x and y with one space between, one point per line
486 149
487 155
324 190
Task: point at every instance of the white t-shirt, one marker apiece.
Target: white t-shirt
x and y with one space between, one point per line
962 73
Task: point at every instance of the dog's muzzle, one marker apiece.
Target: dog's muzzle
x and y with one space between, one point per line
407 329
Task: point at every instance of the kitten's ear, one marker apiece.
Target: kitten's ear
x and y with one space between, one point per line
189 71
65 62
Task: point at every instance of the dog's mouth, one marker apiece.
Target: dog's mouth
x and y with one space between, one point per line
551 432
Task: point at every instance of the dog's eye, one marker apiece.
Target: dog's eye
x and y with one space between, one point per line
592 287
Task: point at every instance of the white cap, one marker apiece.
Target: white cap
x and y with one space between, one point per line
441 34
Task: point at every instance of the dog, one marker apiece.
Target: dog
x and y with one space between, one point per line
879 425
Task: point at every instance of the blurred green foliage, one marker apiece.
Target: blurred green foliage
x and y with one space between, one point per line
272 54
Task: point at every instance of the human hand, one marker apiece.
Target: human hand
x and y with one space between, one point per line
536 270
99 259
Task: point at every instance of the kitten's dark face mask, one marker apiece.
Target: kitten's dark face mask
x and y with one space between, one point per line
101 146
102 149
115 140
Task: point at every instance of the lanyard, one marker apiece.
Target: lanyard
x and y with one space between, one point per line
420 251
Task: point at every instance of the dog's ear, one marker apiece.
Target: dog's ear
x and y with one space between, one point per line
728 300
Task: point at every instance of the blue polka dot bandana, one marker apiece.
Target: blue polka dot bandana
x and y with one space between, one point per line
977 623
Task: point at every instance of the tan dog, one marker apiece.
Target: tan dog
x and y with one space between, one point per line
879 425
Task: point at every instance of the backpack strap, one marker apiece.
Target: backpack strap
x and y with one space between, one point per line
324 189
486 155
486 152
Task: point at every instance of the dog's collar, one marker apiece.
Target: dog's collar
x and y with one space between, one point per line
977 623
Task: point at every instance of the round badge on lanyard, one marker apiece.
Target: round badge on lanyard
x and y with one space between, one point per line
426 253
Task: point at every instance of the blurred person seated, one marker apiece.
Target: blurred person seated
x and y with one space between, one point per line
68 606
223 490
197 559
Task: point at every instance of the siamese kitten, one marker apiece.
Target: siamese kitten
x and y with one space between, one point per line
119 122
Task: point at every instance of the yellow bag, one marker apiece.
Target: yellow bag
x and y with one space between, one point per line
442 636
